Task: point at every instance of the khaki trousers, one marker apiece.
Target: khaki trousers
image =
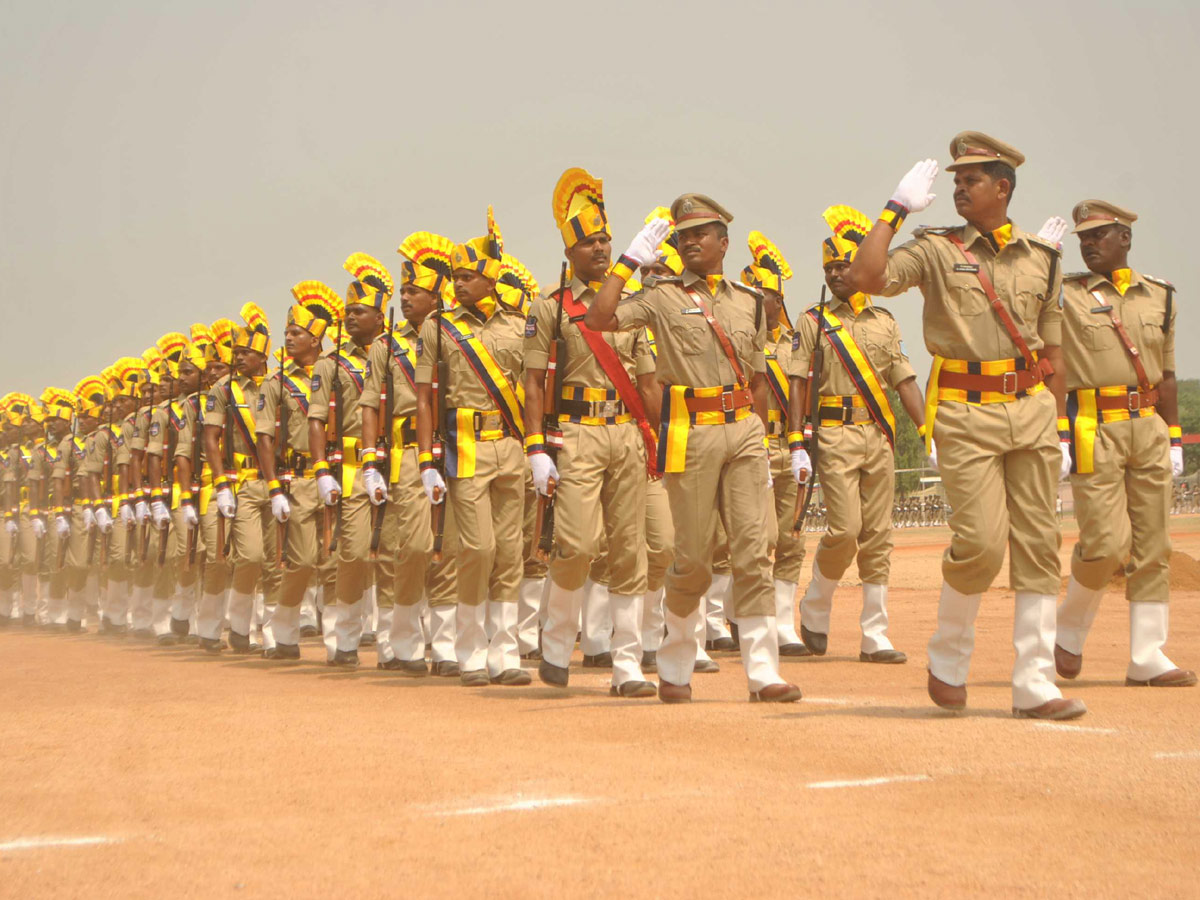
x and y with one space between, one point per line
660 540
999 464
354 544
725 468
531 566
406 540
602 492
489 509
789 551
303 536
1123 508
216 570
255 542
857 471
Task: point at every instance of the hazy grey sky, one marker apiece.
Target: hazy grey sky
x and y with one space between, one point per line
165 162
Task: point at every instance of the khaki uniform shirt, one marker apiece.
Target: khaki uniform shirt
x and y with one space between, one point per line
266 410
185 414
157 435
217 407
877 336
503 336
321 389
383 361
582 369
959 321
141 429
101 444
688 351
1094 353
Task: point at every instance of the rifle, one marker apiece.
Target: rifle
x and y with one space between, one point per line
333 446
225 533
556 370
197 465
441 381
814 416
383 441
282 472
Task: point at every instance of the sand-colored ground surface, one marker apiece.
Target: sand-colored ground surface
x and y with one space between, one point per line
240 778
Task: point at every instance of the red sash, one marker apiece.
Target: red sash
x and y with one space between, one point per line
606 356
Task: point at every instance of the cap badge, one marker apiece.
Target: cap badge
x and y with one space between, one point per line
686 206
1084 211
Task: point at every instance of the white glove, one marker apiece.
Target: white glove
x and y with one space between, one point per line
432 481
933 455
160 513
328 489
375 484
141 512
801 465
1176 462
190 515
62 526
125 511
1053 230
226 504
913 190
644 248
10 526
89 519
39 528
280 508
1064 468
544 471
103 520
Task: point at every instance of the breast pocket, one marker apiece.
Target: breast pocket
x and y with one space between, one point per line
1099 335
1151 327
743 344
692 332
507 351
1030 294
965 296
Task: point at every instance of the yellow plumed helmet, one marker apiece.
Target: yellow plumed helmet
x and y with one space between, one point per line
18 407
221 349
372 284
92 392
516 286
485 254
202 335
256 335
850 228
128 373
317 307
769 268
668 250
155 364
59 403
173 346
578 206
429 263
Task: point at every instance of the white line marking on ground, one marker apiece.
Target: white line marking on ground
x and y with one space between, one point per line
1082 729
867 782
516 806
1182 754
35 843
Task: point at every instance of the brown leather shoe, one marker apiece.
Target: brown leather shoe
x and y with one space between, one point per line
776 693
887 657
947 696
633 689
674 693
446 668
815 641
1174 678
794 650
1054 710
1067 665
706 666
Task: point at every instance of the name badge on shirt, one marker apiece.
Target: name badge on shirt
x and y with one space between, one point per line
1107 307
973 268
692 311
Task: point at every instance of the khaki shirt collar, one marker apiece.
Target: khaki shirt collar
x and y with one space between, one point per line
580 290
700 282
971 234
1095 280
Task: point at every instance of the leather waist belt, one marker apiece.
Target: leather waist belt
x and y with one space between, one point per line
726 401
1132 400
489 425
845 415
1005 383
595 409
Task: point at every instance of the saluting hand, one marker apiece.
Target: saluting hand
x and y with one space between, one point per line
1053 230
913 190
644 248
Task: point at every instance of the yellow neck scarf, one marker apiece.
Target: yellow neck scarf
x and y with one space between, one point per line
858 302
713 282
1120 279
595 286
775 332
1002 235
486 306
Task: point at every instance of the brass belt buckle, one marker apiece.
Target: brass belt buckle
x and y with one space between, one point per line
1135 401
607 409
1005 381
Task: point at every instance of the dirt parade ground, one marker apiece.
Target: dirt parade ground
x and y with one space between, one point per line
129 770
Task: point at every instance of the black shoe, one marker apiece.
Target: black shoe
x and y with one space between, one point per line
446 668
167 640
309 631
721 644
887 657
367 640
74 626
241 643
814 641
598 661
344 659
535 653
282 652
634 689
209 645
179 627
512 678
650 661
414 668
474 678
706 666
555 676
794 650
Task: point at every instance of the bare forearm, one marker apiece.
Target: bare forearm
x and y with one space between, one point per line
316 439
535 400
797 403
1168 399
1057 383
212 448
651 394
424 418
370 425
266 457
912 401
758 387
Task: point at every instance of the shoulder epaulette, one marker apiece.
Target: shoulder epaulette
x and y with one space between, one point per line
1162 282
625 298
922 230
883 309
652 281
1044 244
748 288
1075 276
